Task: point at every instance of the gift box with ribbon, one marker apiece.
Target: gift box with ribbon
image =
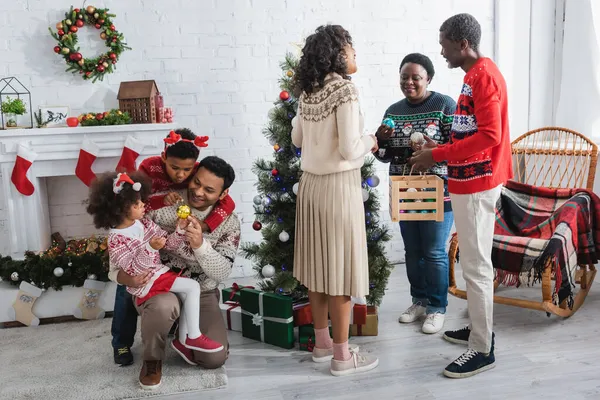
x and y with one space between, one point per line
267 317
370 327
232 314
232 294
302 314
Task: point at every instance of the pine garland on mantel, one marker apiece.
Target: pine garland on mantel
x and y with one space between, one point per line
63 264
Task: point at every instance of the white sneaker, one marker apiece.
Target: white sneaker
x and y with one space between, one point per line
412 313
433 323
357 363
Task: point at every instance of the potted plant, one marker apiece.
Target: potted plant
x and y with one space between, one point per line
11 108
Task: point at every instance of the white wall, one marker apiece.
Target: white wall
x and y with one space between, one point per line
216 62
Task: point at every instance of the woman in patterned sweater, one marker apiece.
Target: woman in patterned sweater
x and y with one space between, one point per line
429 113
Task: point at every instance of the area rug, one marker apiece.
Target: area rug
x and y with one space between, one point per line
73 361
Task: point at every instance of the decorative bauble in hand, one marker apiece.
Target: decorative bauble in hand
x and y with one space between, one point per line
183 211
417 138
256 225
257 200
66 35
14 276
373 181
389 123
365 195
284 95
295 188
58 272
268 271
92 277
284 236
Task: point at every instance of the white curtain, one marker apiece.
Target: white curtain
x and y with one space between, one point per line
579 102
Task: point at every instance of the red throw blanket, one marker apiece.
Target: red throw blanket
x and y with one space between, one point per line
534 224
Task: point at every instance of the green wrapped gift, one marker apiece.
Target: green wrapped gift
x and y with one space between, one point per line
232 294
267 317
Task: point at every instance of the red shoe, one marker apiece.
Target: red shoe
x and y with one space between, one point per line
204 344
184 352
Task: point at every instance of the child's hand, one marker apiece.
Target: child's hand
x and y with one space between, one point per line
172 199
158 242
183 223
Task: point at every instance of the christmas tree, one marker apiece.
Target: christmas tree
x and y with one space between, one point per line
275 205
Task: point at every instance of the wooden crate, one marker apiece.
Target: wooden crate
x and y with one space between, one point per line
429 197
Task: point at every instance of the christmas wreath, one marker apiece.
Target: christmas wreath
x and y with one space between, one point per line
66 35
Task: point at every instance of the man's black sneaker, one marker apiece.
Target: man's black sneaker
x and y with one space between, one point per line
470 363
459 336
123 356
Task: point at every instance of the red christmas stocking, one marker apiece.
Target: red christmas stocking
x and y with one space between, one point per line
131 151
25 157
87 155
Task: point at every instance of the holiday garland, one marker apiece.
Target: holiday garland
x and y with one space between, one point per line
112 117
66 35
63 264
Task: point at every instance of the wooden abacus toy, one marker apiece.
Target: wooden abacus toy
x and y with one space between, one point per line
416 198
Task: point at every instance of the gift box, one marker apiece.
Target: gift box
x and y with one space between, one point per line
370 327
232 294
306 337
232 314
302 314
359 314
267 317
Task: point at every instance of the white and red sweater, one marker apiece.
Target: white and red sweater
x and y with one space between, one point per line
129 249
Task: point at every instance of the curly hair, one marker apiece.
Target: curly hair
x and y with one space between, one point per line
462 26
420 59
183 150
322 54
110 209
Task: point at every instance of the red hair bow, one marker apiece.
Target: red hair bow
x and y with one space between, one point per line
174 138
121 180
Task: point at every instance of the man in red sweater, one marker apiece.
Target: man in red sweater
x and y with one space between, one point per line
479 163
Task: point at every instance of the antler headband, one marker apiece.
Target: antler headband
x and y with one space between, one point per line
121 180
174 138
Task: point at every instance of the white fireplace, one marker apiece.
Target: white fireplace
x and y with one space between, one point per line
28 217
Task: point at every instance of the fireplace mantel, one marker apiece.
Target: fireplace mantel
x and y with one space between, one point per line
58 150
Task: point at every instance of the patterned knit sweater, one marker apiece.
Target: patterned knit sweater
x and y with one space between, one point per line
479 156
129 249
433 117
329 128
212 262
163 185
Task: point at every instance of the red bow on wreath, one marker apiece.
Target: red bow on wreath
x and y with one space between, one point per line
174 138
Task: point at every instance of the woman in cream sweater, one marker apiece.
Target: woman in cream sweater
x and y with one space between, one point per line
330 249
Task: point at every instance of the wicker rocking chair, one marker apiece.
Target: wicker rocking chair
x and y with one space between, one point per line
555 158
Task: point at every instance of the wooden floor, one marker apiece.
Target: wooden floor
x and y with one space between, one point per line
536 358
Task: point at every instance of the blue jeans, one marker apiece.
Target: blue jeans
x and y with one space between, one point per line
427 261
124 323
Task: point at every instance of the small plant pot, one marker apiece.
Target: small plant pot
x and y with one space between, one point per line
10 121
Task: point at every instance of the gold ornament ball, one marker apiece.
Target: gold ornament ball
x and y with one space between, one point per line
276 147
103 36
81 62
119 112
105 64
183 211
68 22
59 25
290 73
90 9
65 50
96 15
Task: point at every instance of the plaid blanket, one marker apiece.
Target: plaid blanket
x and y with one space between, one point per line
535 224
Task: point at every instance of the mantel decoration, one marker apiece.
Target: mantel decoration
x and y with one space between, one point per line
15 98
66 35
112 117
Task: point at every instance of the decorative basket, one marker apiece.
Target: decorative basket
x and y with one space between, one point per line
416 198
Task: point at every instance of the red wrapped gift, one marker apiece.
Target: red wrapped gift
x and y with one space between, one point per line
302 314
359 314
